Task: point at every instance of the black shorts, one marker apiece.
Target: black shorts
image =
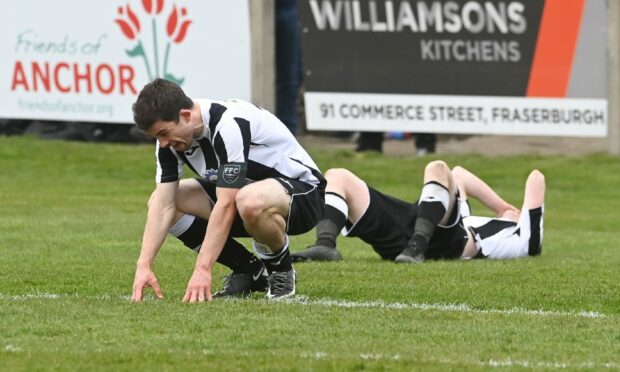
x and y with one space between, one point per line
387 224
307 205
448 241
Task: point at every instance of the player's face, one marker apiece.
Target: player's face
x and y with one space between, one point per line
170 134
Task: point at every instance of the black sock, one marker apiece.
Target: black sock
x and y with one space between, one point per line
431 209
234 255
194 235
274 261
429 216
329 227
278 262
238 259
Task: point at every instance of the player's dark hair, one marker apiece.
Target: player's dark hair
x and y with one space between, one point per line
159 100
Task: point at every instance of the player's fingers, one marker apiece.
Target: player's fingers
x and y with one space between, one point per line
186 297
157 289
192 296
201 295
136 296
209 295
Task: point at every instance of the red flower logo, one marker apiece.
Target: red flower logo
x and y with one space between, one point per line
148 6
173 28
131 26
176 29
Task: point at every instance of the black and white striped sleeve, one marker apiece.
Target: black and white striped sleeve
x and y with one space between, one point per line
232 141
232 146
169 165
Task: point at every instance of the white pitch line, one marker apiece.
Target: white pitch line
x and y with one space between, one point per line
491 363
33 296
57 296
464 308
327 302
546 365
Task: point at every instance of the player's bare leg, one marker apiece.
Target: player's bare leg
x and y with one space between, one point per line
193 199
534 190
264 207
190 225
534 205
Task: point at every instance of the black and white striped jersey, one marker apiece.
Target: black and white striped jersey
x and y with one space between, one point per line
499 238
242 133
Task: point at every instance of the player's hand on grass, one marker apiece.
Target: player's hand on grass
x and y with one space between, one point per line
199 286
145 278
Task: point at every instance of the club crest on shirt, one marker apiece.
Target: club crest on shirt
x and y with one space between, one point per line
231 173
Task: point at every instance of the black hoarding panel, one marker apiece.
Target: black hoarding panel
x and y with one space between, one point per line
482 48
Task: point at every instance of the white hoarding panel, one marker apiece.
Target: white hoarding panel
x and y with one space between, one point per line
457 114
87 60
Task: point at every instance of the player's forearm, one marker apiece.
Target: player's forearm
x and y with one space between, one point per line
158 223
489 198
222 218
478 189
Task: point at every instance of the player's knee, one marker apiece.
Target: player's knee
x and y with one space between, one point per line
437 165
250 205
536 178
337 174
457 171
534 190
537 175
436 168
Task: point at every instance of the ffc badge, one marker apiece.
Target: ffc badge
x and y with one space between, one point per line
232 175
231 172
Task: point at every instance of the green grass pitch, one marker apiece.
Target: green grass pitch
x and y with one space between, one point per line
71 222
